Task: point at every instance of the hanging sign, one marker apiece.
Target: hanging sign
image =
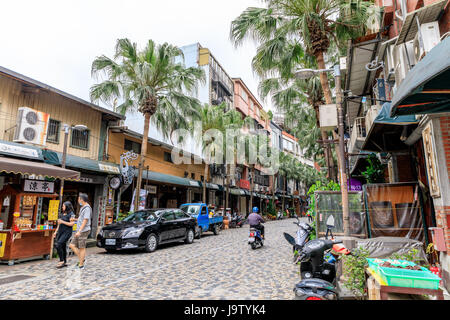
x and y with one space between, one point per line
39 186
53 210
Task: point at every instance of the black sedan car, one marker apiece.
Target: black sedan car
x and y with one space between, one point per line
147 229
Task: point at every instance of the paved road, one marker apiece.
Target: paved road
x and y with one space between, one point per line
214 267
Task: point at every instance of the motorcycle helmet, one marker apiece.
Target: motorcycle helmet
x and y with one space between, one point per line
255 209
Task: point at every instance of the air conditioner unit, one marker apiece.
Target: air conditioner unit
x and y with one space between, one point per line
401 65
31 126
426 39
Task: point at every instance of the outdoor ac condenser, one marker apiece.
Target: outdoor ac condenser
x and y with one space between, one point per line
426 39
31 126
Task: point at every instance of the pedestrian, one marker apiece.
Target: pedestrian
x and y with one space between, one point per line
78 243
64 232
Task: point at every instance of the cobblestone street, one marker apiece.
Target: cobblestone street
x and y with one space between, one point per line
214 267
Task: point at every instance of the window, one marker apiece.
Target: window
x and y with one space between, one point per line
53 131
168 157
245 96
80 139
132 146
168 216
179 214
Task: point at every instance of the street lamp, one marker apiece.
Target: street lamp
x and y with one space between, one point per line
66 129
306 74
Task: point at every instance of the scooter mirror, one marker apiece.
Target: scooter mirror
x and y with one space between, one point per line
330 222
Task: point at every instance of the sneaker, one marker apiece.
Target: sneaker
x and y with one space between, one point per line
81 267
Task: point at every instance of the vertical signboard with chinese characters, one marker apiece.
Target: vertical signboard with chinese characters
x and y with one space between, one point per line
53 210
430 160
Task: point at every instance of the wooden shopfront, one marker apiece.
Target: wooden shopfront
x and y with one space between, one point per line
28 209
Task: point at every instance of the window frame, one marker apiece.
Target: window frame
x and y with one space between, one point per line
57 131
87 142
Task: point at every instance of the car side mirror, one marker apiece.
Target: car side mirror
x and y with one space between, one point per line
162 219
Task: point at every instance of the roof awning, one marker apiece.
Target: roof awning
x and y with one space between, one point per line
358 78
426 88
386 132
55 158
237 192
167 178
20 150
17 166
425 14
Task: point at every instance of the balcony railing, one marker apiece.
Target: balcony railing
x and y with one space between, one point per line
358 134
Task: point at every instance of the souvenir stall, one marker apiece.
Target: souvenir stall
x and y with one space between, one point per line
28 208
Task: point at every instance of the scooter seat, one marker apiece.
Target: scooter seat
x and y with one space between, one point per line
315 283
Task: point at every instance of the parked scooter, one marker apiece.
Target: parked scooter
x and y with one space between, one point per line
302 236
317 267
255 239
237 221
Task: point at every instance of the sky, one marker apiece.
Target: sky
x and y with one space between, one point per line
55 42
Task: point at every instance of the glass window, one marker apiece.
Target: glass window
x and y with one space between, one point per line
168 157
53 131
180 214
169 216
80 139
132 146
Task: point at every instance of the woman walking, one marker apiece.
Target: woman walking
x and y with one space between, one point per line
64 232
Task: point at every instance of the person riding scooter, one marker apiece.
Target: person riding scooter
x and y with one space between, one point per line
255 220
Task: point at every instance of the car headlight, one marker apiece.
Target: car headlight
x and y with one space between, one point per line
133 233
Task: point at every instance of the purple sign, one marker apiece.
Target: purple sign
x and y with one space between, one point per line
354 185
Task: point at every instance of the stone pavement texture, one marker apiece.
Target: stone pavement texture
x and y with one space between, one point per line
214 267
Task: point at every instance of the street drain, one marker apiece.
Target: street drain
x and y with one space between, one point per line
19 277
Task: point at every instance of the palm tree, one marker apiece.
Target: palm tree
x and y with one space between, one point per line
153 81
315 24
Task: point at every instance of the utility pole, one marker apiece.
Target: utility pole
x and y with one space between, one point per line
343 175
63 165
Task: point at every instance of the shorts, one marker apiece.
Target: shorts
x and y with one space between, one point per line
80 242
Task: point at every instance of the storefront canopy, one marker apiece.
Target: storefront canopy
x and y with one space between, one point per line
426 88
386 132
237 192
167 178
17 166
20 150
55 158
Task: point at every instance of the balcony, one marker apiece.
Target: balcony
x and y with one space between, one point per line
371 114
357 135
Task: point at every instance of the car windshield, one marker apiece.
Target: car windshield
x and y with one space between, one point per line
191 209
140 216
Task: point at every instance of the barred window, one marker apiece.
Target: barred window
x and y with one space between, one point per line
80 139
53 131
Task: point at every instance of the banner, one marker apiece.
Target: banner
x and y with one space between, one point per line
53 210
142 200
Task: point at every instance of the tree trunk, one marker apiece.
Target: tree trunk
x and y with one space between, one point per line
205 175
284 193
228 188
142 160
328 100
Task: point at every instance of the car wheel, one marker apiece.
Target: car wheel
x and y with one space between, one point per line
216 229
190 235
152 243
198 234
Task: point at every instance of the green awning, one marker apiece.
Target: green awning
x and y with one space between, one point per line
55 158
20 150
237 192
386 132
169 179
426 88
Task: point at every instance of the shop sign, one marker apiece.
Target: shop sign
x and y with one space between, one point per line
354 185
53 210
244 184
18 150
151 189
38 186
430 160
108 168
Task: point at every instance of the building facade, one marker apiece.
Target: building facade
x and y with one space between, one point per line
388 116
